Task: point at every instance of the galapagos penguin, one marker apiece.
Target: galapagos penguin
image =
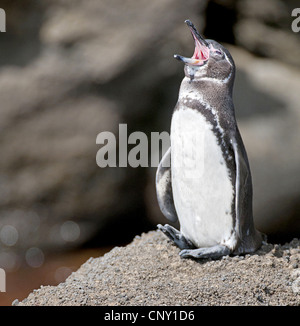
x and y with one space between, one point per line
204 178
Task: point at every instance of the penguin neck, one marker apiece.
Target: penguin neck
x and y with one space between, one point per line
210 91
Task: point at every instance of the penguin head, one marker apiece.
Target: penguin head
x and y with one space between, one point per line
210 60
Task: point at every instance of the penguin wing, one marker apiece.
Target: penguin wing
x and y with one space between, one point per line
164 187
241 182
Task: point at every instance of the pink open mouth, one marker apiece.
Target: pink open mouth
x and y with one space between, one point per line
201 53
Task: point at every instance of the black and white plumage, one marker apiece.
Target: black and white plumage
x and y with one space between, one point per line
207 185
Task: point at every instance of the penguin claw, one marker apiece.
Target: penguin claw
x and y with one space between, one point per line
184 253
175 236
169 231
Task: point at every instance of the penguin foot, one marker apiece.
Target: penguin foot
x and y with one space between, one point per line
214 252
176 236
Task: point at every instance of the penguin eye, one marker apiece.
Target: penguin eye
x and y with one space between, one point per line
218 53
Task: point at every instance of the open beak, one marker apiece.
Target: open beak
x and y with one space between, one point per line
201 53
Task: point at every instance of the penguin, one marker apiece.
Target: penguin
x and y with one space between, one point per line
204 178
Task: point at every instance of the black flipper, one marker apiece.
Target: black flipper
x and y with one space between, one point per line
250 239
242 174
164 187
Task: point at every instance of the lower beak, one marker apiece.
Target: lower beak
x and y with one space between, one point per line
189 61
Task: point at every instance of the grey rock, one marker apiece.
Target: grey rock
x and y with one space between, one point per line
152 273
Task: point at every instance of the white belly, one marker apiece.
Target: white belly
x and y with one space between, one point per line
202 189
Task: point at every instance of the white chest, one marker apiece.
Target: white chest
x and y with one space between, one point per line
202 190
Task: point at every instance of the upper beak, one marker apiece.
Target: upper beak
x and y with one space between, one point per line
201 53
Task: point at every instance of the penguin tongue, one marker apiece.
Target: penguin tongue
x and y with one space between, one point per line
201 53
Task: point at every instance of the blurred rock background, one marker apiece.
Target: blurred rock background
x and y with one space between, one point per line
70 69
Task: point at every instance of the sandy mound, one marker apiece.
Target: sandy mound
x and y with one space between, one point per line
149 271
